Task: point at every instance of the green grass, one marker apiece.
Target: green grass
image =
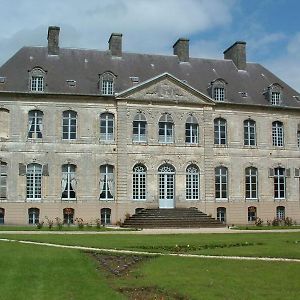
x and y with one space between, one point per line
55 228
282 244
37 272
253 227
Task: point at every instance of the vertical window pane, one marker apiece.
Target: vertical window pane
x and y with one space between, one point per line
68 182
69 125
106 182
139 182
107 127
192 183
220 131
221 183
34 181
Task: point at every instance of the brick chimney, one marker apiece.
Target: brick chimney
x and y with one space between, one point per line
237 53
181 49
53 40
115 44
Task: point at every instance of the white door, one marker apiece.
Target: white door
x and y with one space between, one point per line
166 186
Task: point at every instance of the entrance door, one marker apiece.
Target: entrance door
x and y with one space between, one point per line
166 186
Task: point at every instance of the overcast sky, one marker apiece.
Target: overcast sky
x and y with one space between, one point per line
271 28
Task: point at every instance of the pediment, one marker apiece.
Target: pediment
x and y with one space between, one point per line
165 87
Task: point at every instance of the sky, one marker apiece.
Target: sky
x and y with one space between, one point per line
271 28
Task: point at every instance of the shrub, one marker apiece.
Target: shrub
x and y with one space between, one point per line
49 222
275 222
39 225
79 222
288 221
259 222
98 223
59 223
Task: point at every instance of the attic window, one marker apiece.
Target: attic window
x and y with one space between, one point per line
107 83
71 83
2 79
297 98
218 90
37 80
274 94
134 79
244 94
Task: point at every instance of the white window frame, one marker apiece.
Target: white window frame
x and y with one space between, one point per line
107 182
166 129
275 98
139 129
2 215
37 83
33 215
191 131
251 186
220 131
107 82
277 134
192 183
35 124
69 182
221 183
68 215
249 133
280 212
221 214
107 123
166 175
251 215
139 182
105 216
298 139
69 125
3 180
34 182
279 183
219 94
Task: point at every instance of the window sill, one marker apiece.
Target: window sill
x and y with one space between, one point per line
252 199
107 200
250 147
220 146
222 200
139 200
68 199
192 144
279 199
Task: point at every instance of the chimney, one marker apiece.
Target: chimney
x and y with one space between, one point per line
237 53
53 40
181 49
115 44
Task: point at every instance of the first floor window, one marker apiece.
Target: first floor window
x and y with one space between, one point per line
34 181
251 213
221 174
191 130
69 125
280 212
3 179
192 183
106 127
68 182
68 215
35 124
221 214
107 185
249 133
298 138
105 216
220 131
279 183
2 213
139 182
33 215
139 128
166 129
277 134
251 183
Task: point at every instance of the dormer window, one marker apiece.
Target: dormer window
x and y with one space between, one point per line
218 89
274 94
107 82
275 98
37 80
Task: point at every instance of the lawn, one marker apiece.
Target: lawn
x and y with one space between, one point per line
283 244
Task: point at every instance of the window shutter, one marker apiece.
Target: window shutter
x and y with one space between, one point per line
287 172
22 169
271 172
297 172
45 170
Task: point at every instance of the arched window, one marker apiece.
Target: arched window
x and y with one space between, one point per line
34 181
221 182
166 129
252 213
280 212
218 89
277 134
166 174
220 131
221 214
107 183
192 183
2 214
251 183
274 94
68 182
3 180
37 80
191 130
105 216
35 124
249 133
279 183
68 215
4 123
33 215
69 125
139 182
106 127
107 83
139 128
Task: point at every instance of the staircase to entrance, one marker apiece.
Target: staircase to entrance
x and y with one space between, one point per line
171 218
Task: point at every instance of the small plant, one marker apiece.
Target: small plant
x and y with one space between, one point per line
269 222
119 223
49 223
127 216
59 223
40 225
259 222
288 221
275 222
79 222
98 223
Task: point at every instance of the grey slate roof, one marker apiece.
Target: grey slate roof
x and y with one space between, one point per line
84 66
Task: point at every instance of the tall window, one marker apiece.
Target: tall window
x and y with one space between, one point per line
280 212
166 182
221 179
279 183
105 216
191 130
298 138
2 214
192 183
107 83
221 214
275 98
251 183
107 185
3 180
249 133
139 182
68 215
166 129
35 124
106 127
219 94
34 181
252 213
68 182
4 123
69 125
220 131
139 128
33 215
277 133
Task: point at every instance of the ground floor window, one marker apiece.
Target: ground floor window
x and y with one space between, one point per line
280 212
252 213
2 213
192 182
68 216
105 216
33 215
221 214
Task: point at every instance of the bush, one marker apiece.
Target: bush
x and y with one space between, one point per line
275 222
288 221
259 222
49 222
39 225
79 222
59 223
98 223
